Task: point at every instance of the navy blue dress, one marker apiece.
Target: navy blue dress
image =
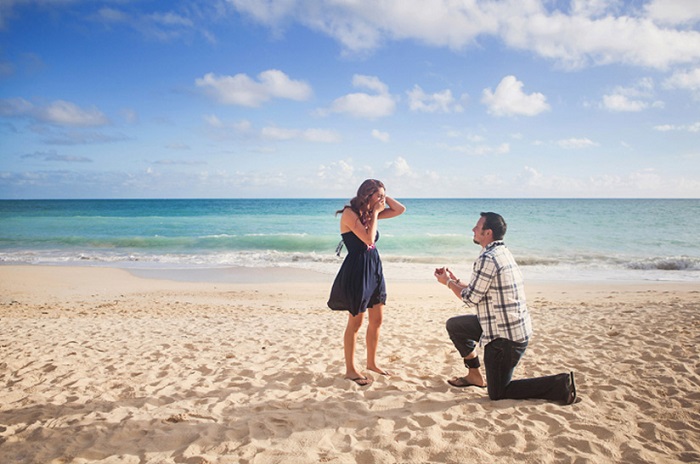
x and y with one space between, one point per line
360 281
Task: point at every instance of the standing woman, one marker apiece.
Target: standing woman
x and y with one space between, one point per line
359 286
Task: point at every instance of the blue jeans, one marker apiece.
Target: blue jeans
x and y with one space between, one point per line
501 356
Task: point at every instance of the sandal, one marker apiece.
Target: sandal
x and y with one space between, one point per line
462 382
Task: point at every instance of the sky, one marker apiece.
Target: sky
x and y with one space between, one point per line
308 98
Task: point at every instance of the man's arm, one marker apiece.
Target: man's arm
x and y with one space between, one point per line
473 292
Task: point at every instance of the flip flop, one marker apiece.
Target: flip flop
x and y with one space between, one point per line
462 382
357 380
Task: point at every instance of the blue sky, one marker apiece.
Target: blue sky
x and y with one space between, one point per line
293 98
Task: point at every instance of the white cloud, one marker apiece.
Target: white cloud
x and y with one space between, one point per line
245 128
470 136
400 168
370 82
244 91
685 80
363 25
531 175
161 25
673 11
111 15
277 133
59 112
80 137
267 12
614 32
171 19
53 156
608 39
342 169
12 107
364 105
656 34
69 114
239 127
175 162
576 143
684 128
442 101
213 121
381 136
308 135
633 184
623 103
509 99
320 135
592 8
343 177
185 22
636 97
480 150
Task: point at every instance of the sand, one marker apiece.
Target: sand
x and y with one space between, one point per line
98 365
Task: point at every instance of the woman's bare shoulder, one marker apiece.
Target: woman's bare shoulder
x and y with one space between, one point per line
348 219
349 213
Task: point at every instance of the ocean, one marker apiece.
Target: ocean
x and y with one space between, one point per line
552 239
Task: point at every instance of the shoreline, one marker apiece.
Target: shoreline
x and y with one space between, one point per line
257 274
100 365
64 281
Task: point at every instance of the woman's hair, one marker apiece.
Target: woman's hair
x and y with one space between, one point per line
364 193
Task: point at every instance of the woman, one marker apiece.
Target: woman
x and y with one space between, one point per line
359 286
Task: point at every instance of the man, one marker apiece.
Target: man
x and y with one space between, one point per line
501 324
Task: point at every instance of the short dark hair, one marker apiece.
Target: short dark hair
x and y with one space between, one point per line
496 224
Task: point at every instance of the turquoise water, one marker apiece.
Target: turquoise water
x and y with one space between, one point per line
552 239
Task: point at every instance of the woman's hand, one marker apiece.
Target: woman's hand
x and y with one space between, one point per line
390 208
378 206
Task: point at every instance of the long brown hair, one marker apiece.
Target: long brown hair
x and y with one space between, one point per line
360 201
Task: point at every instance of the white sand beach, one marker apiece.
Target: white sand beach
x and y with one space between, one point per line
100 366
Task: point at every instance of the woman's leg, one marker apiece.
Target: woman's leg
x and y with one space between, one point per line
349 342
373 328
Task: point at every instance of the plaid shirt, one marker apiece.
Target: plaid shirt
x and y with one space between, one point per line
497 291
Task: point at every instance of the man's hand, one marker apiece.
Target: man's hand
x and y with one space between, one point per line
441 275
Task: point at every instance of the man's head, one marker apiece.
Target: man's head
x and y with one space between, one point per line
489 228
